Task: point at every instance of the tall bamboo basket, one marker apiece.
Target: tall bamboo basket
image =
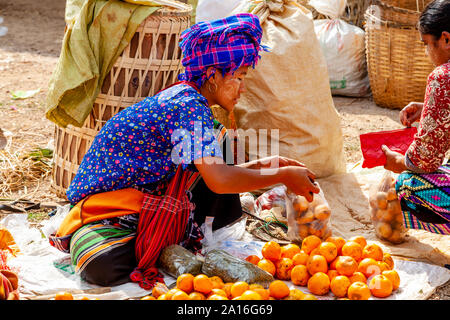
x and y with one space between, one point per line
151 62
397 64
416 5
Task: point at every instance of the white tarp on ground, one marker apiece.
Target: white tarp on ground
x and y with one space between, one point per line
39 275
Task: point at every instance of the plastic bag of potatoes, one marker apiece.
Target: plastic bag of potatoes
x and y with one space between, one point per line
386 211
307 218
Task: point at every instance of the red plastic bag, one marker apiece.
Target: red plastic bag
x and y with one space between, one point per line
396 140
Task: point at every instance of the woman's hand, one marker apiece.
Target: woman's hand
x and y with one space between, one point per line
411 113
395 161
271 162
300 180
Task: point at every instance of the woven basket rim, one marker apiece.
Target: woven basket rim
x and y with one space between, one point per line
394 8
389 23
167 11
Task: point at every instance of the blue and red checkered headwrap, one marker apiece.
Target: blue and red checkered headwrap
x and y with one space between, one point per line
225 44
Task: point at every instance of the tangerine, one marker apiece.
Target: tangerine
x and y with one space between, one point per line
319 284
339 286
373 251
254 259
185 282
338 242
250 295
63 295
170 293
300 258
332 273
227 288
310 243
264 293
238 288
300 275
268 266
309 297
380 286
358 277
289 250
216 297
388 259
358 291
271 251
162 297
317 263
278 289
369 267
283 268
352 249
143 298
217 282
328 250
180 295
394 277
196 296
159 289
346 265
360 240
202 284
295 294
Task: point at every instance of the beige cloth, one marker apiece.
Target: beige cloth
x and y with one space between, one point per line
348 196
289 90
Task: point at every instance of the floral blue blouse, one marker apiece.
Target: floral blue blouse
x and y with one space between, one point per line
144 143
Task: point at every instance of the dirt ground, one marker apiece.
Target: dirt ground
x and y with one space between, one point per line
29 52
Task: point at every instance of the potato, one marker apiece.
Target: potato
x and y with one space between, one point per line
396 237
306 217
399 217
383 230
391 194
380 214
322 212
387 216
394 207
382 200
300 204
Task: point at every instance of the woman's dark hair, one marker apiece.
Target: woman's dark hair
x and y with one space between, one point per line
435 18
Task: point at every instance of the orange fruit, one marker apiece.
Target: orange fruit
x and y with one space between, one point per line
394 277
332 273
373 251
309 297
216 297
380 286
63 295
162 297
268 266
250 295
143 298
264 293
159 289
227 288
202 284
185 282
358 291
388 259
300 275
338 242
339 286
253 259
289 250
383 266
180 295
278 289
352 249
319 284
295 294
310 243
196 296
346 265
328 250
283 268
170 293
253 286
217 282
238 288
358 277
271 251
360 240
300 258
217 291
369 267
316 264
314 252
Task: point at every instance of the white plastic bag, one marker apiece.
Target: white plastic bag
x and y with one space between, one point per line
344 49
214 9
213 239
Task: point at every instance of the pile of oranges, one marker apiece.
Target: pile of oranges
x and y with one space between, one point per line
202 287
350 269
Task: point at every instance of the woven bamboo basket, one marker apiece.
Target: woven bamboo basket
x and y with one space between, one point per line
397 64
151 62
415 5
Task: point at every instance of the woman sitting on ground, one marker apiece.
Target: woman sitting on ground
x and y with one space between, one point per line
139 150
423 185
